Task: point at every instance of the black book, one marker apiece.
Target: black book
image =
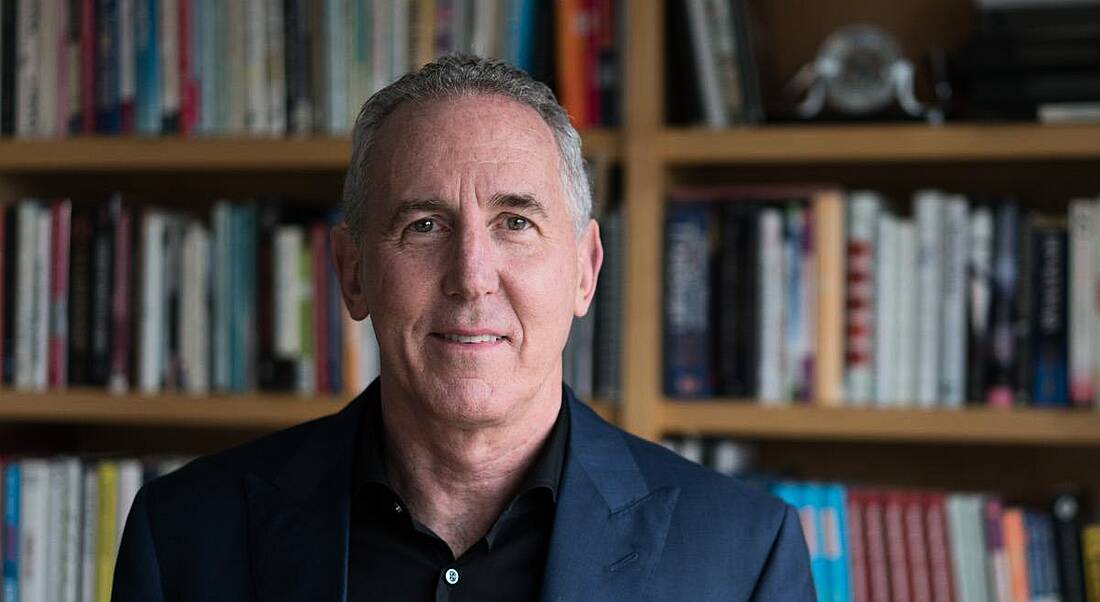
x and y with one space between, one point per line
10 267
979 274
608 310
751 94
988 56
82 257
544 64
737 316
1014 89
683 102
1003 360
295 54
1068 20
1049 313
102 289
1068 512
7 67
273 373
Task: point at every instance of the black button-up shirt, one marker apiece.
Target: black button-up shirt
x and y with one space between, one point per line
393 556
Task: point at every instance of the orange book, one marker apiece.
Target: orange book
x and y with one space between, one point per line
1090 551
1015 538
571 32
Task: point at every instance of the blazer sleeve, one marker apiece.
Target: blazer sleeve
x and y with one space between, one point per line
137 571
786 576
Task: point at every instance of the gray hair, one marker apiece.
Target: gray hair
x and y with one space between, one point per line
452 76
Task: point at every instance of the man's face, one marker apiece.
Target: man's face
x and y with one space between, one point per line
471 268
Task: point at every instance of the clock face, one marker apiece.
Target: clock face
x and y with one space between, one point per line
861 61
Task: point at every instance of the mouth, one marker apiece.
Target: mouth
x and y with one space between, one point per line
477 339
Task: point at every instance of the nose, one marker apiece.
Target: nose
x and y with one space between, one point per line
473 265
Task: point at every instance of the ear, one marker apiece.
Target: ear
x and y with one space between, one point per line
348 262
589 260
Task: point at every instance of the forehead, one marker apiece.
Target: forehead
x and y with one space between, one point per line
435 147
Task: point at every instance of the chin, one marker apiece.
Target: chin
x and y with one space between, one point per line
471 400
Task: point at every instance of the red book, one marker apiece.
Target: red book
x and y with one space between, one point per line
896 545
593 13
878 563
87 66
570 50
317 236
939 547
920 580
857 547
58 354
120 301
188 85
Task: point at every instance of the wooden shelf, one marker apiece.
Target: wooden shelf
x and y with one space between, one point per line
132 154
965 426
247 412
881 143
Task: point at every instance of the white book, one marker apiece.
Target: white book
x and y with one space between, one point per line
485 28
796 319
953 334
66 500
399 53
1096 305
255 65
89 534
905 387
168 49
928 207
127 69
42 264
276 67
725 57
370 361
151 322
34 529
234 88
28 104
207 13
886 304
706 69
1083 290
336 66
286 254
26 300
196 310
772 276
68 75
129 482
861 232
980 272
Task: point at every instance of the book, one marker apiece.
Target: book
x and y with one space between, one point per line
8 51
736 301
148 104
1000 582
688 252
1068 520
896 546
1090 548
887 282
906 345
1015 539
1049 314
12 524
1001 386
979 302
33 529
878 561
829 241
771 299
862 219
106 528
929 207
89 543
916 546
938 539
857 549
1083 290
951 389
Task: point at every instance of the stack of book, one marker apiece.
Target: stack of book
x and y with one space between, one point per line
63 521
131 296
275 67
873 543
1032 59
786 293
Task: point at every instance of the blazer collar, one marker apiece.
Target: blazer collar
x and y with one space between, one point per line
610 525
299 514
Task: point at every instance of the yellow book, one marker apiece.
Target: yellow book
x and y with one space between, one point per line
106 528
1090 550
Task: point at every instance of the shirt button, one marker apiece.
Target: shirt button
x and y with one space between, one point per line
397 507
451 576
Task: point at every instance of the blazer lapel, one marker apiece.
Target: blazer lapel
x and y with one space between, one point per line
609 527
298 518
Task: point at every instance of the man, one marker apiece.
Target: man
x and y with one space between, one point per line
467 471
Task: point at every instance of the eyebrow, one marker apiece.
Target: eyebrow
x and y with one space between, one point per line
506 200
413 206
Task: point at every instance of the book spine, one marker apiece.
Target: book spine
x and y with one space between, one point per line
735 281
335 312
797 321
916 552
152 307
1049 385
980 297
706 69
1015 538
306 378
569 45
88 541
8 65
1067 522
886 307
168 52
320 307
939 548
88 90
70 521
48 64
1090 548
60 223
41 319
834 527
609 306
26 301
69 72
287 337
106 528
725 57
185 65
5 308
952 337
878 560
896 546
53 537
108 62
687 354
1095 315
929 209
857 547
905 386
336 13
121 299
771 278
828 232
1000 583
126 66
34 530
27 86
859 297
1083 292
275 65
148 73
12 523
211 82
221 295
1001 386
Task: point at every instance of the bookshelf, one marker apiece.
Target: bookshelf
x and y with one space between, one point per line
653 157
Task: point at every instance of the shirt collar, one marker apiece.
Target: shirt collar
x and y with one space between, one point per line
544 473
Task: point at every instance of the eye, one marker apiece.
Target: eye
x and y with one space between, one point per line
517 223
423 226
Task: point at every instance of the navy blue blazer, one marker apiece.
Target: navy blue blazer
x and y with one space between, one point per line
269 521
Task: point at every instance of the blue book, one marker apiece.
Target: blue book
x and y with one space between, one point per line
108 103
1050 313
523 34
688 358
812 511
147 68
11 531
835 526
1033 532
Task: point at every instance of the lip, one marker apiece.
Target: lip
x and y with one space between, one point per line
443 337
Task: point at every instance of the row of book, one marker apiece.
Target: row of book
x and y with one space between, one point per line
136 297
810 293
275 67
878 544
711 68
63 521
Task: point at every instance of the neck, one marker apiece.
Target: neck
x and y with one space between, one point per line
457 480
